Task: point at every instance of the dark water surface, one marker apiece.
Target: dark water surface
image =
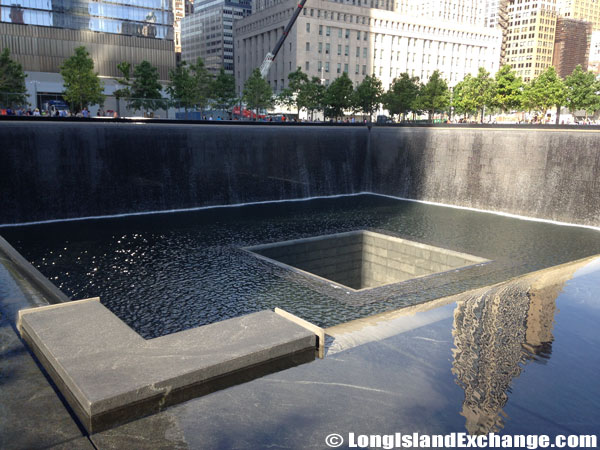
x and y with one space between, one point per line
168 272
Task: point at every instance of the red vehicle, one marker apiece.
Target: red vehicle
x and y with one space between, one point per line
246 113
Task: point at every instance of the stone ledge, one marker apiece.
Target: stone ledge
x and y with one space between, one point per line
110 375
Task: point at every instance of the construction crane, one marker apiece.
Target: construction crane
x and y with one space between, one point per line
266 64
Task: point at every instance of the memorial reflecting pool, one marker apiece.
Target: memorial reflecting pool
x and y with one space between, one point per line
163 273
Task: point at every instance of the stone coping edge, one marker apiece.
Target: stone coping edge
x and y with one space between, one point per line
52 293
109 375
319 332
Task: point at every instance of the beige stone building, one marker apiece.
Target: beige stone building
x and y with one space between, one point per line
588 10
330 38
530 36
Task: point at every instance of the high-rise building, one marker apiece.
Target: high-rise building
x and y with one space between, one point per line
571 45
41 34
496 16
594 57
530 36
189 7
471 12
330 38
178 15
208 32
588 10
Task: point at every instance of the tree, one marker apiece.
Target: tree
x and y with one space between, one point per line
223 91
338 96
312 94
509 90
290 96
434 96
462 100
367 96
581 88
544 91
401 97
203 84
482 91
181 89
145 90
82 85
257 92
12 82
124 92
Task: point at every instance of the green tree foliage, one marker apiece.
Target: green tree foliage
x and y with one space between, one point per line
181 89
367 95
12 82
581 88
124 92
474 94
203 84
401 97
509 90
291 96
544 92
257 92
434 96
338 96
145 90
482 91
462 100
82 85
313 94
223 91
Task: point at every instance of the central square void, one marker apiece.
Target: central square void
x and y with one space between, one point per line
364 259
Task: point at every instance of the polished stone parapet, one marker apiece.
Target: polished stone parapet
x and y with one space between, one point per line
65 170
110 375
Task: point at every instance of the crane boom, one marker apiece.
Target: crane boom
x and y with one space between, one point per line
266 64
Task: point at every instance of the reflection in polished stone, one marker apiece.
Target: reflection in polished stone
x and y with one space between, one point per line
495 334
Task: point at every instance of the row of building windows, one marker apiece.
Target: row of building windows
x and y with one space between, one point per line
381 23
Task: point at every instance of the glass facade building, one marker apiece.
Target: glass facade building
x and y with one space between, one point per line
208 32
142 18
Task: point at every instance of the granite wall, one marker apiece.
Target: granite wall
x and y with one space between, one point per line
547 173
57 170
60 170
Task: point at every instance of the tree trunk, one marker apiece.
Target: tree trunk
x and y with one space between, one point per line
557 114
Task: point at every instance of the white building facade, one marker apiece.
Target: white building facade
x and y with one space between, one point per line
333 37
